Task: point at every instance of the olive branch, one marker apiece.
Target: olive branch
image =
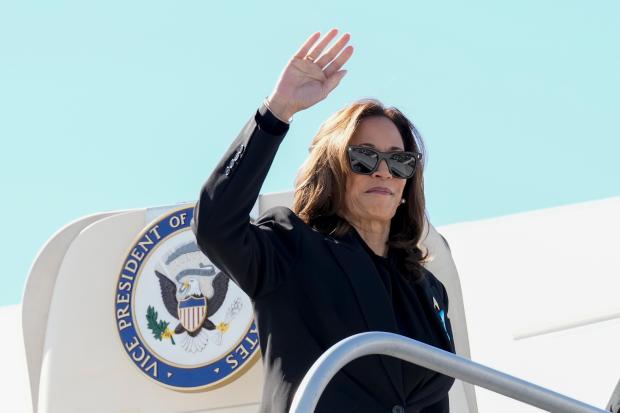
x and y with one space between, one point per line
158 328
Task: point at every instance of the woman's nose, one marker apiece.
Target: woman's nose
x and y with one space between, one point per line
383 171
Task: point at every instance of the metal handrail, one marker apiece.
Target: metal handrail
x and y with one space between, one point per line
413 351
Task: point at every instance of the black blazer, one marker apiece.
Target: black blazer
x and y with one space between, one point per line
309 290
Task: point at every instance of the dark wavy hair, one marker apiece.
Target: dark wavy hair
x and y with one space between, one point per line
321 183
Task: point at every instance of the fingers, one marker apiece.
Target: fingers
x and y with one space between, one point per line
303 50
318 49
334 80
333 51
330 63
338 62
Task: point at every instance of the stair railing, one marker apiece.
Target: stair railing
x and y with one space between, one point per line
413 351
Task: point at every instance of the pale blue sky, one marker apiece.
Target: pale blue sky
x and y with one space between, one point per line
115 105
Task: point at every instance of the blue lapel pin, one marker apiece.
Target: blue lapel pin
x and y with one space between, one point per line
442 316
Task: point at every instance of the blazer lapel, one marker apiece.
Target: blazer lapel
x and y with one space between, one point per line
369 290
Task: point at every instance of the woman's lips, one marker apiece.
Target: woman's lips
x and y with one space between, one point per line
380 190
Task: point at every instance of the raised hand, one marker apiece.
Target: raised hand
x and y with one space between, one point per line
310 75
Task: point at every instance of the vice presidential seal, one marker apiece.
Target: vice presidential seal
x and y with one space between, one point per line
181 320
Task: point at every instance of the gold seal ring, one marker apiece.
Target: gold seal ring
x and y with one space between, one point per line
311 58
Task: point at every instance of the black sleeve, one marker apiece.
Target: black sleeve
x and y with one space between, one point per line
259 256
268 122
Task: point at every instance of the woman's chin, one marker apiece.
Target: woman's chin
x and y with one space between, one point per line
378 211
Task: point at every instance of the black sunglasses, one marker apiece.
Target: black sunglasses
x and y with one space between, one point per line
365 160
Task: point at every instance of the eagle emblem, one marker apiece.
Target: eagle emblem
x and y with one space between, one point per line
180 319
196 294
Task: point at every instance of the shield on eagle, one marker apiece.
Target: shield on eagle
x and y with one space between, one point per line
192 312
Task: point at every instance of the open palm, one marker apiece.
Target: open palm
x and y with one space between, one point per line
309 76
